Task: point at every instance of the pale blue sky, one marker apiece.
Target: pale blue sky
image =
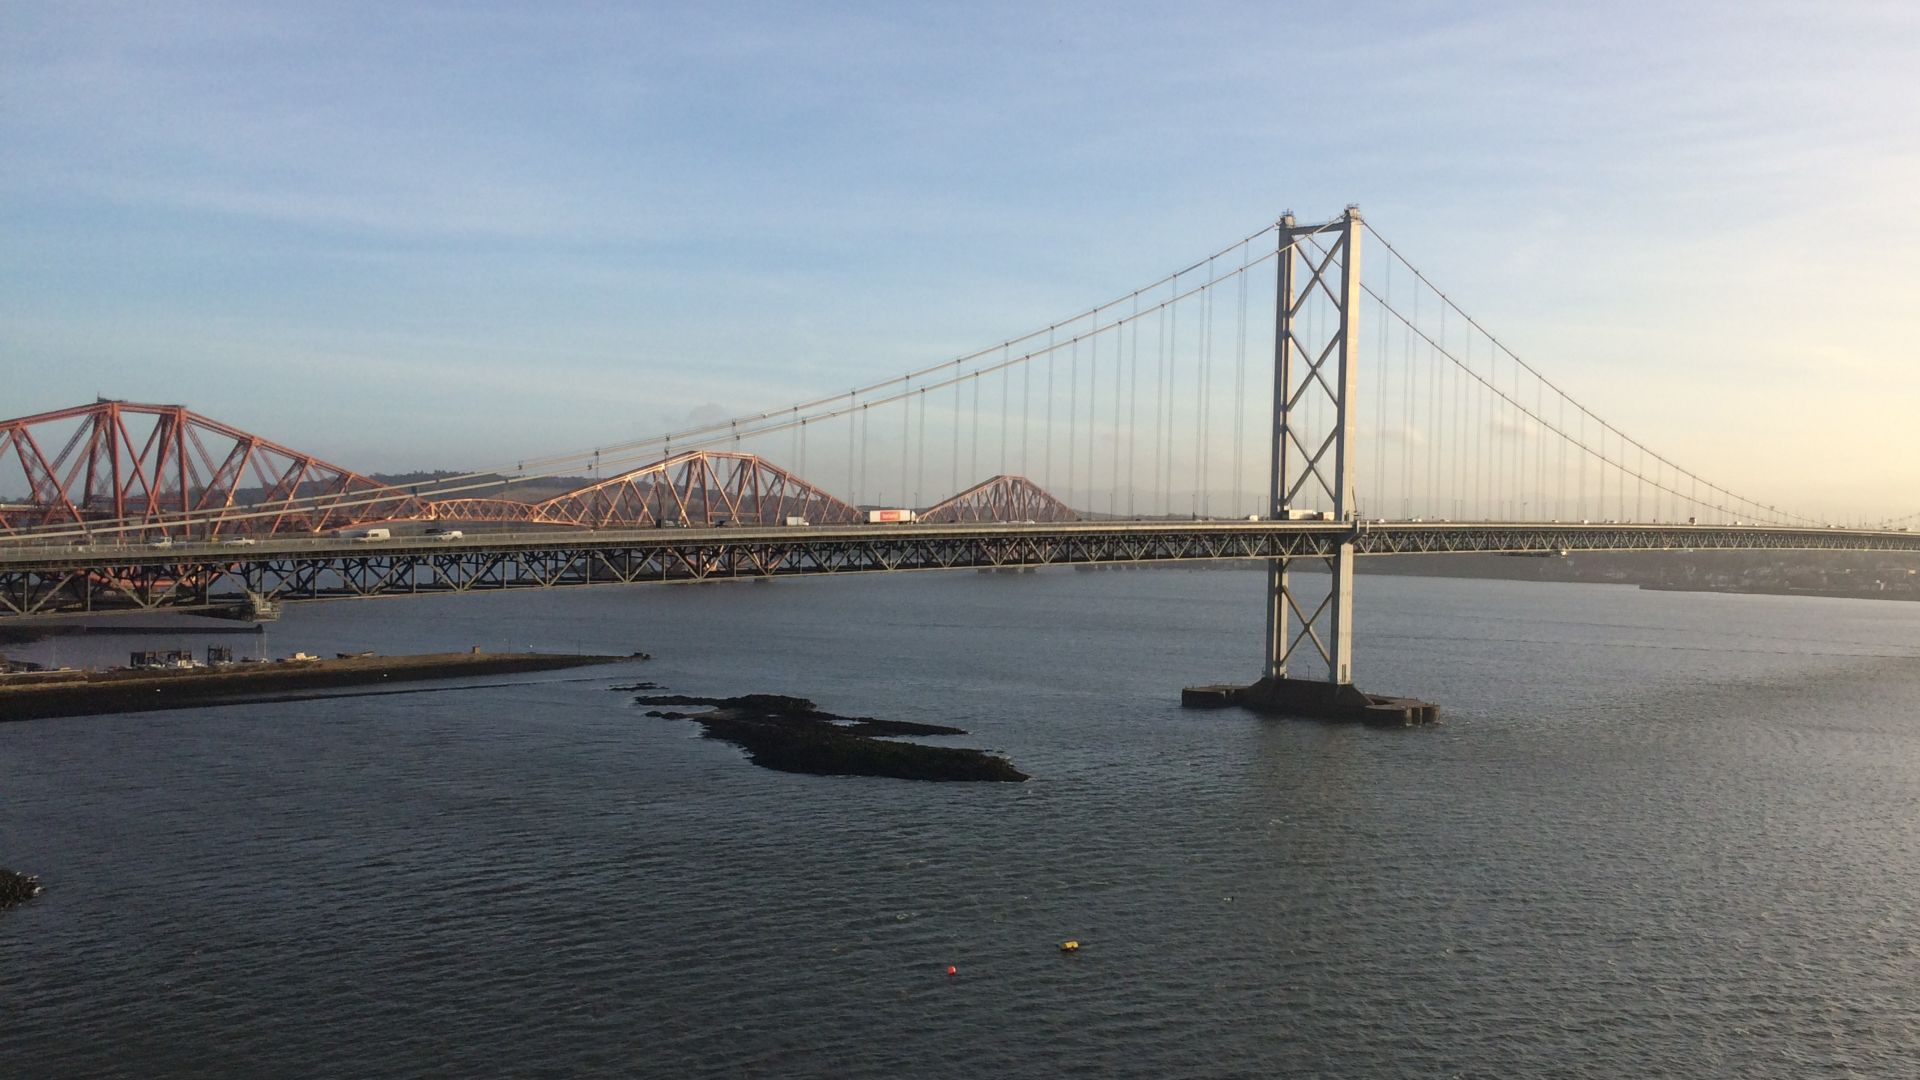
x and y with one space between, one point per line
404 235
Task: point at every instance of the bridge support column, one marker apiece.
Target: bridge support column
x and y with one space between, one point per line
1340 662
1325 630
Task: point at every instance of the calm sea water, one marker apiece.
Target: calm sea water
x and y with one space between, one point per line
1660 835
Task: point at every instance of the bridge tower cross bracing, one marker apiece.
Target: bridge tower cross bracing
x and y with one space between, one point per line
1313 418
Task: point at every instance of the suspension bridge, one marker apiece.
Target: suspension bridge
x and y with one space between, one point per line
1270 401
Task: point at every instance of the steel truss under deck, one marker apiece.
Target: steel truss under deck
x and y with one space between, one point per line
48 583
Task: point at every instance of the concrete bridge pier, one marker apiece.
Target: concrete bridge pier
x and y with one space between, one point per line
1313 699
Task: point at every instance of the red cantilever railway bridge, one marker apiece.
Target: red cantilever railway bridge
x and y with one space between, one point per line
135 472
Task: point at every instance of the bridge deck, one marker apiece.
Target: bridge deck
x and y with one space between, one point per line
53 579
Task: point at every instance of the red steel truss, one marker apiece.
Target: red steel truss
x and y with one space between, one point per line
144 471
1002 499
702 487
163 470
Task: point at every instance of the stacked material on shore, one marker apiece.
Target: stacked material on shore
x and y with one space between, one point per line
17 888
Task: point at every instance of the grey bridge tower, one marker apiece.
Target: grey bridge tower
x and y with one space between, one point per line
1313 392
1315 354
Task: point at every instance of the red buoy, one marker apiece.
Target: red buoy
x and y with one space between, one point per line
951 970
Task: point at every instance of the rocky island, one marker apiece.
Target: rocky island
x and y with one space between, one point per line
16 888
792 734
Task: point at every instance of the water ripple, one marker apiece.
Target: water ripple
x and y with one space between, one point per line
1646 860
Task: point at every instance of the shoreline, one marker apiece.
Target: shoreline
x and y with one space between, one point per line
53 694
1785 590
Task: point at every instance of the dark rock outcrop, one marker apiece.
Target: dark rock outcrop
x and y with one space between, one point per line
792 735
17 888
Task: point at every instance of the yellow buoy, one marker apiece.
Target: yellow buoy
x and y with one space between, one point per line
1069 946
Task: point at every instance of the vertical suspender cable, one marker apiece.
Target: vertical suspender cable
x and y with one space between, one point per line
1093 417
1133 399
1431 445
1159 404
1204 415
1490 446
1479 443
1540 446
1640 487
1026 415
1173 366
973 444
1624 477
1406 415
1379 410
1560 474
1582 458
1510 473
1517 458
1119 388
1093 423
1461 394
1496 446
1046 433
1240 384
1073 417
1006 411
953 458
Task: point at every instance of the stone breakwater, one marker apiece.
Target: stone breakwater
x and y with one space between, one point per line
792 734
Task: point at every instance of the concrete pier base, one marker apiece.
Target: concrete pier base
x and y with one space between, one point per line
1314 699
